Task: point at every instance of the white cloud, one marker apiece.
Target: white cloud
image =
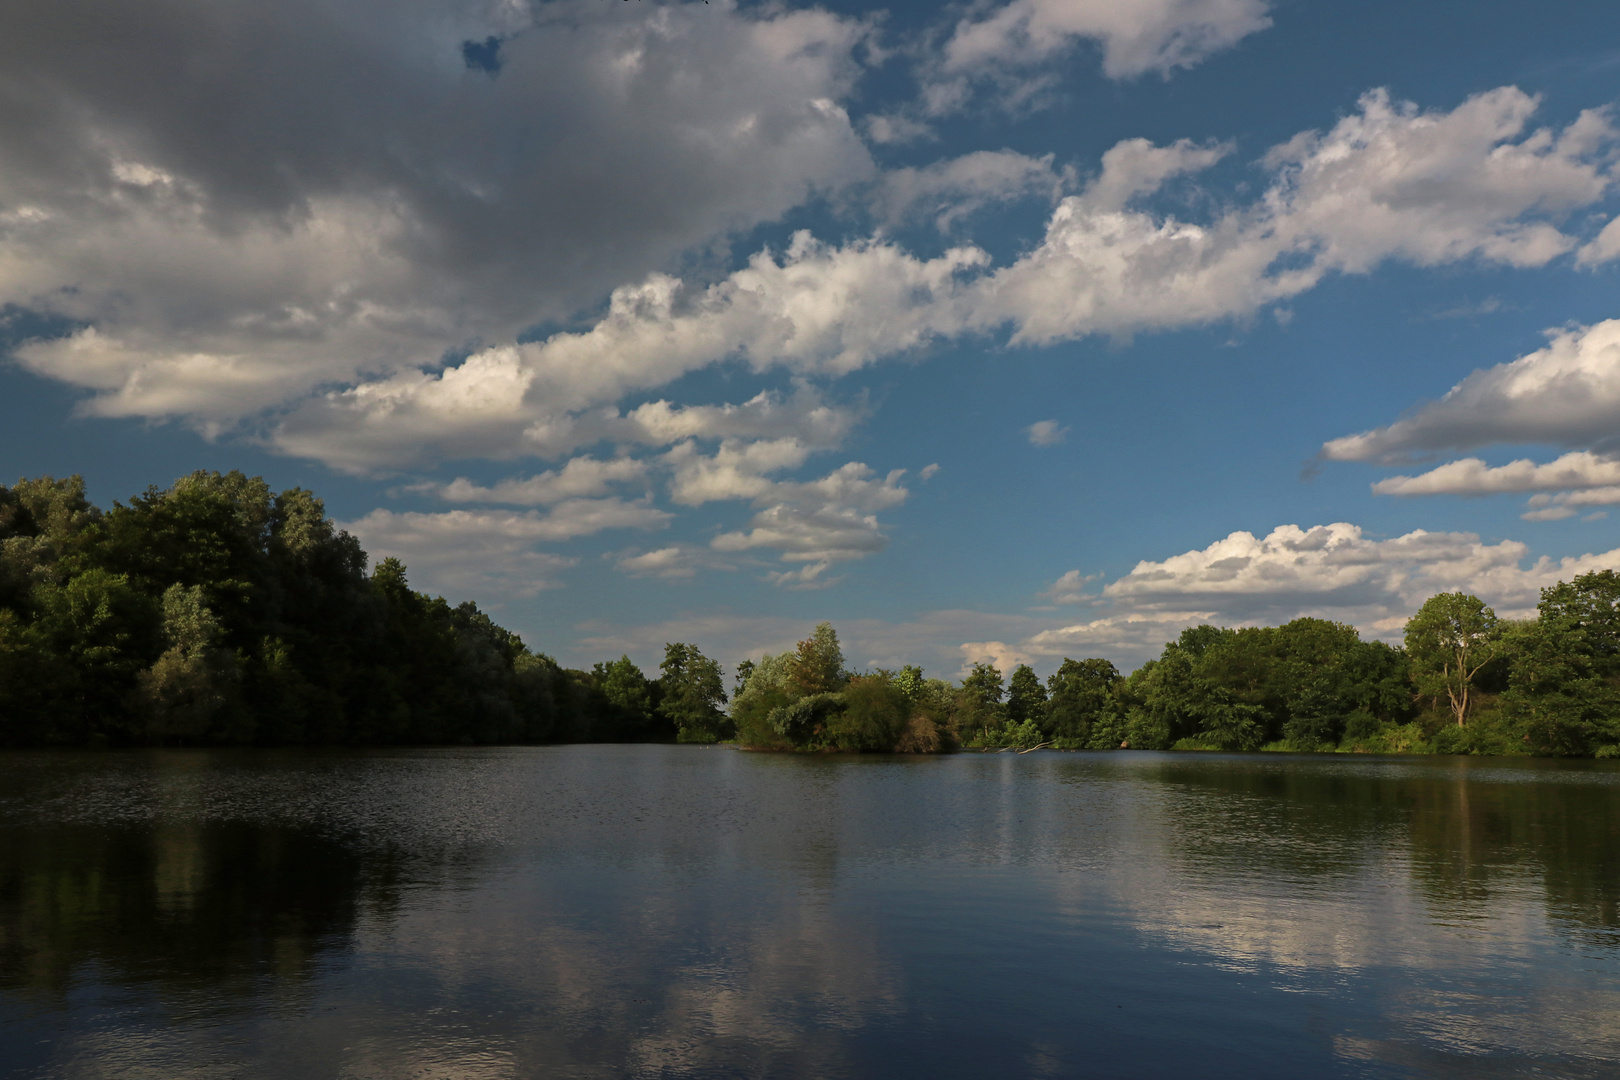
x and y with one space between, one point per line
829 520
1071 589
805 577
1334 568
677 561
325 189
896 128
816 310
1566 394
1136 167
1471 476
803 415
949 190
490 554
1046 433
581 477
1136 37
1386 182
928 471
999 654
1603 247
737 470
1567 504
1331 571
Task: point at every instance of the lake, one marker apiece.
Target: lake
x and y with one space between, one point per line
683 911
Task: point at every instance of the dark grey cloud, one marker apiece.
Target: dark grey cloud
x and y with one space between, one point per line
334 186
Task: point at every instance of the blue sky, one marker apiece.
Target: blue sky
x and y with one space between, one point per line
1002 331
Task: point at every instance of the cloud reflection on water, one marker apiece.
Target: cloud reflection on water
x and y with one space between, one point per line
653 911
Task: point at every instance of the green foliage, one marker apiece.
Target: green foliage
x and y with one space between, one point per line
213 612
217 612
874 716
1564 695
1026 697
817 667
692 690
622 704
1082 701
803 721
1449 640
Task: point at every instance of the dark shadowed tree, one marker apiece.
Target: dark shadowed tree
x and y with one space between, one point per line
1026 697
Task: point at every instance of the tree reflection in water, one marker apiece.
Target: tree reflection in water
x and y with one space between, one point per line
673 911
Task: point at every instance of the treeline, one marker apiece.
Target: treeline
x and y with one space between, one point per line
1464 682
214 612
217 613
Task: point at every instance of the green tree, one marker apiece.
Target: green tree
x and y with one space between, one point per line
194 680
1452 636
1081 695
874 716
1564 689
692 690
1026 697
817 666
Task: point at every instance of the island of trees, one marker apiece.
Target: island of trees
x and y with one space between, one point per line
217 613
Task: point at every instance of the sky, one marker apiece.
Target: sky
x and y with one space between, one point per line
998 332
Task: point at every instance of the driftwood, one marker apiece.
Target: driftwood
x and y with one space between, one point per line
1014 749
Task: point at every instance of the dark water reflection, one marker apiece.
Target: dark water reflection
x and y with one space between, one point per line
682 911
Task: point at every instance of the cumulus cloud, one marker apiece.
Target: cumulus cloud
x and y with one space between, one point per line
820 522
1335 568
737 470
1566 394
581 477
676 561
1003 657
1471 476
948 191
816 310
1387 182
804 415
1329 571
490 554
1137 167
317 190
1046 433
1603 247
1566 504
1136 38
1071 589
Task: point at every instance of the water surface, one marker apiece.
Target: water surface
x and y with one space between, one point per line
663 911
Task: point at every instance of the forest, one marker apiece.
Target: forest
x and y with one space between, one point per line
218 613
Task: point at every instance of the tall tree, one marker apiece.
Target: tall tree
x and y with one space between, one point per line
1451 637
692 691
817 666
1026 697
1081 693
1565 666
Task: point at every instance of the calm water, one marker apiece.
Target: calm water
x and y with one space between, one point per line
655 911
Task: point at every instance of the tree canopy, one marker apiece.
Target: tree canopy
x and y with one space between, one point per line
218 612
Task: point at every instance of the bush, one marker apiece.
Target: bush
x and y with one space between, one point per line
874 717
